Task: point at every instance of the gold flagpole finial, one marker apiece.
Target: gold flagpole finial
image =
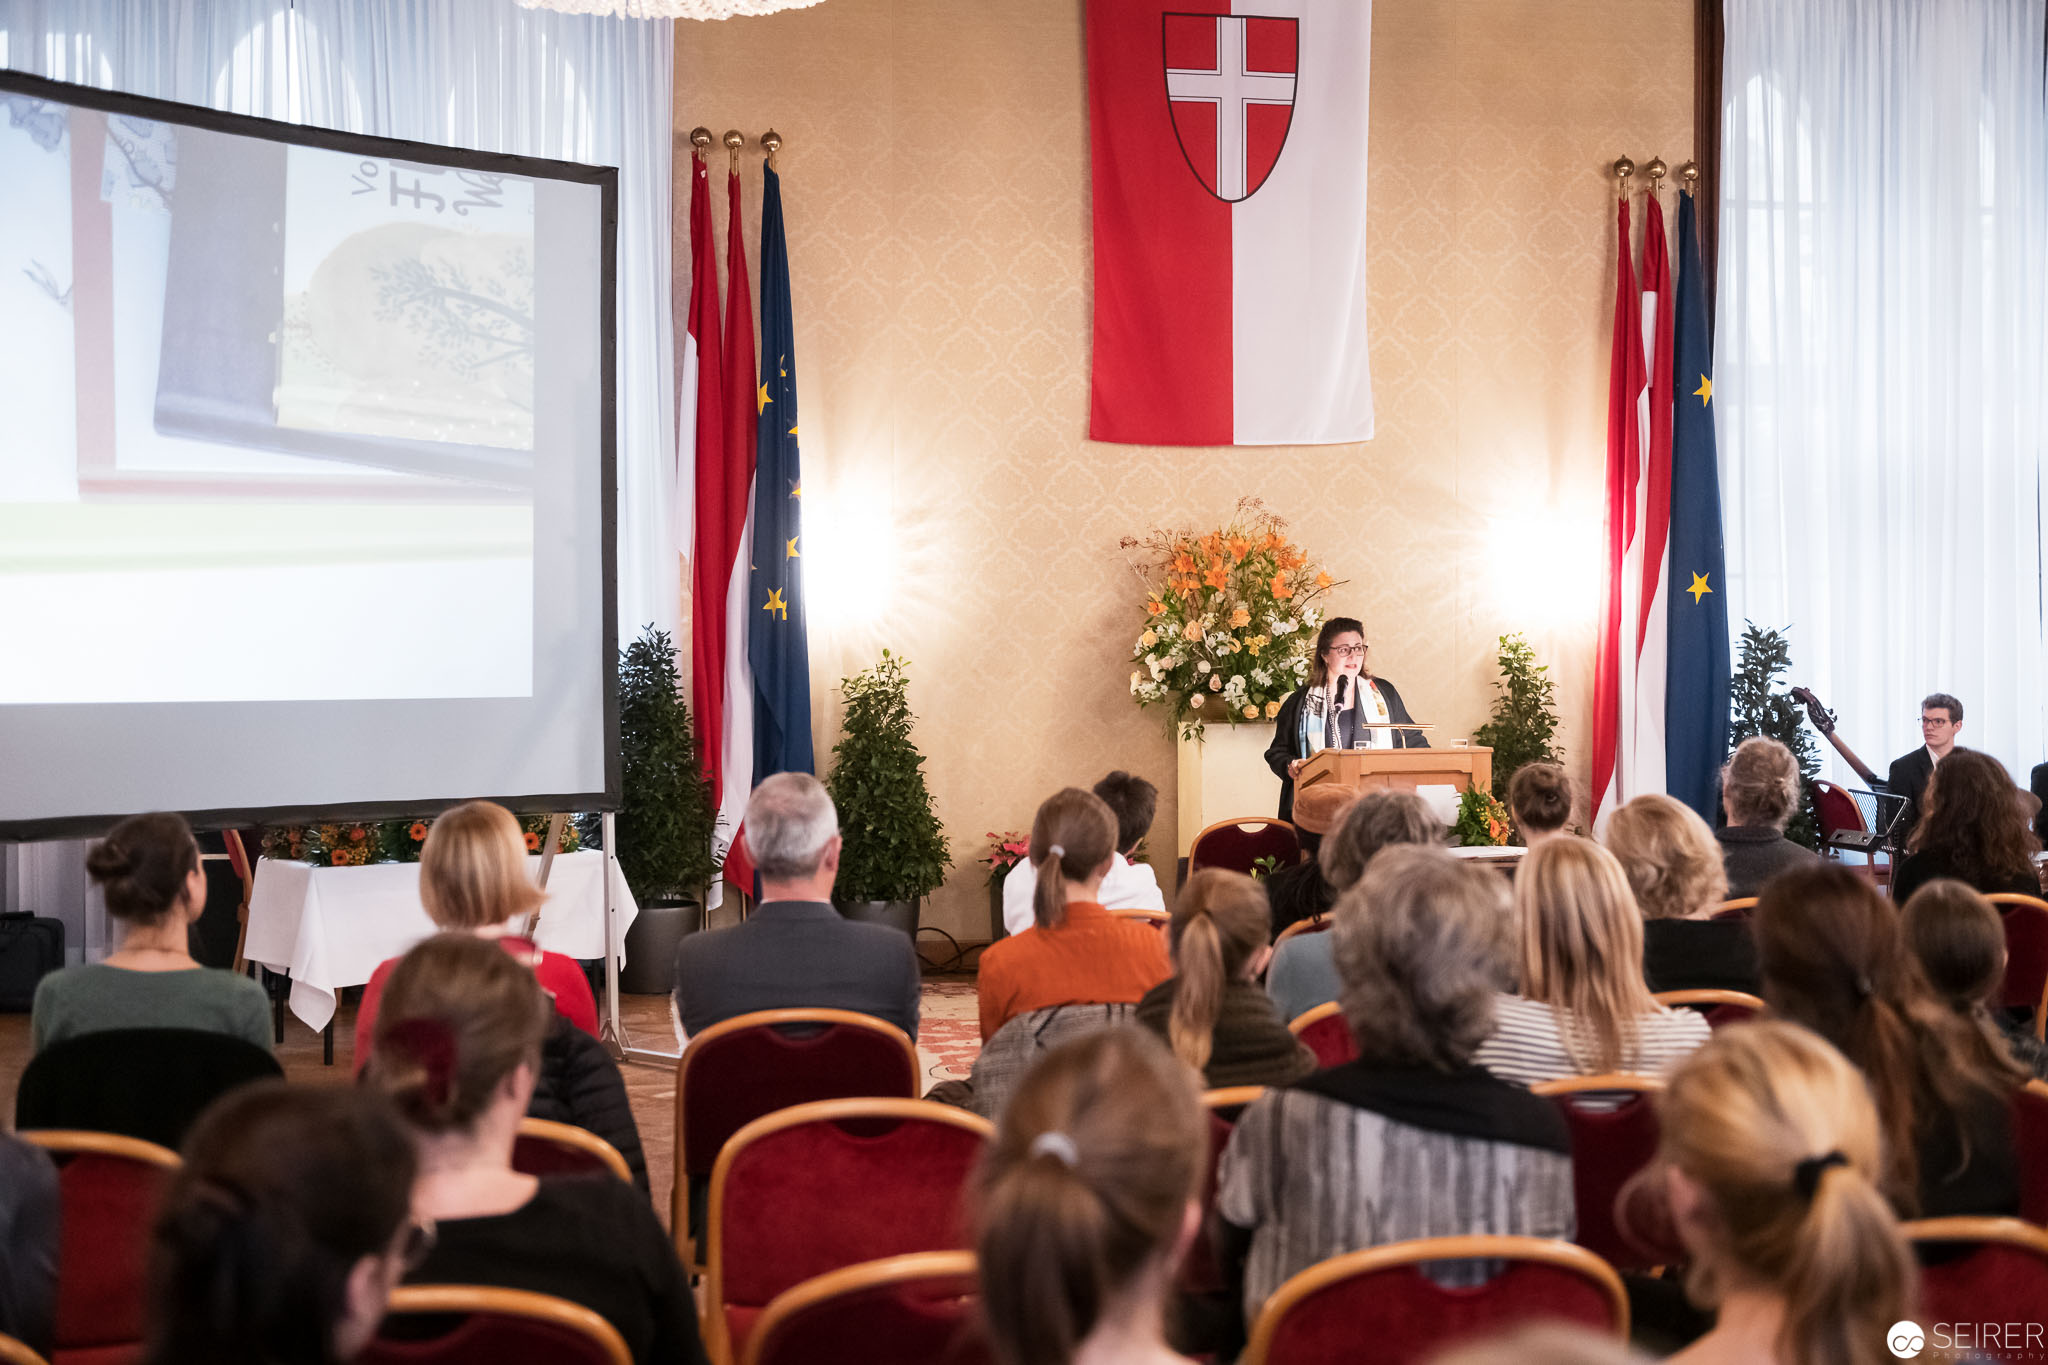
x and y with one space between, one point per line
772 140
734 140
1656 170
700 141
1623 169
1690 174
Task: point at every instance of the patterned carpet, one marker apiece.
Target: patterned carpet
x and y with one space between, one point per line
948 1031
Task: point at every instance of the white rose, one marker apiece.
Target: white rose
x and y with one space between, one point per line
1202 666
1136 677
1149 638
1215 682
1236 682
1195 699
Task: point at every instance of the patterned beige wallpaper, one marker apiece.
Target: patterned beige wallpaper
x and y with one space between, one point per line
936 185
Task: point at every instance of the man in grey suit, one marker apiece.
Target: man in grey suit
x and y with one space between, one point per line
796 951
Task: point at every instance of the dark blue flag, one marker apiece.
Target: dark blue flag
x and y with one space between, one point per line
1696 686
777 649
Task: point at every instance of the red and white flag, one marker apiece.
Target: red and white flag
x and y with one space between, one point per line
1628 688
736 760
1227 142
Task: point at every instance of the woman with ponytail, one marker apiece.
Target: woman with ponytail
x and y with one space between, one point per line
1833 957
147 870
1086 1201
1773 1163
1212 1011
282 1235
1076 952
457 1050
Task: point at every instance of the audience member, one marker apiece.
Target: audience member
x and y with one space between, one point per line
1834 958
1076 952
1303 973
1971 829
147 869
28 1229
1302 891
1675 871
1086 1201
1129 884
1583 1007
1411 1139
474 880
1540 800
1212 1010
1759 793
458 1048
796 951
282 1235
1772 1163
1959 941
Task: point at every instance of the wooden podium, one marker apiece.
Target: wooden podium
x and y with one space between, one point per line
1399 769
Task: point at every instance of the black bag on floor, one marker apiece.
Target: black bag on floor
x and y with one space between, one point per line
31 947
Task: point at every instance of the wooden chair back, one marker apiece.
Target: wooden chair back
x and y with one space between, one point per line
498 1326
545 1147
1325 1032
916 1309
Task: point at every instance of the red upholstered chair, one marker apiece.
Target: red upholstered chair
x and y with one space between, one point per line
904 1310
1237 845
2026 954
1158 919
2030 1138
545 1147
497 1327
2001 1277
1738 908
753 1064
1326 1033
1722 1008
1328 1313
818 1187
14 1352
1608 1146
1199 1272
1315 924
108 1191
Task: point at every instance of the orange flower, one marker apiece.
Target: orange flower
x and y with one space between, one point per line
1280 588
1251 712
1240 617
1269 541
1322 580
1183 563
1211 543
356 834
418 830
1193 630
338 858
1156 607
1239 548
1218 577
532 842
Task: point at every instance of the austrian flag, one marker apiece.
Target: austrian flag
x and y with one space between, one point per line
1228 142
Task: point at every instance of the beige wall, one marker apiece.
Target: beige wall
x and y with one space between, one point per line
936 185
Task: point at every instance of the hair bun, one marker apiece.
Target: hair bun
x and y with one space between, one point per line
109 861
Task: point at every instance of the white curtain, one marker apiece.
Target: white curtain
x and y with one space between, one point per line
1880 364
484 74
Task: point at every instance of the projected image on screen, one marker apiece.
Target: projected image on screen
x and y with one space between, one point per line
293 422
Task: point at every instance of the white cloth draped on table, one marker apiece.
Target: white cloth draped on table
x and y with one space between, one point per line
1881 361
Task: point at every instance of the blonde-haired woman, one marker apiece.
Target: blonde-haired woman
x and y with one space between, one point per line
1772 1161
1674 868
1759 791
1583 1008
1212 1010
1076 952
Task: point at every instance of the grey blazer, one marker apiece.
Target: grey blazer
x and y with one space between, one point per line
797 955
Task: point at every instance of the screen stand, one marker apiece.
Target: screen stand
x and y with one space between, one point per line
613 1033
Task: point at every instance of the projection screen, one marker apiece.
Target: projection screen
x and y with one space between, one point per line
306 470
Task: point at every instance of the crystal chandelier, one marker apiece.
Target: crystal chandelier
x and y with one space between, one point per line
667 9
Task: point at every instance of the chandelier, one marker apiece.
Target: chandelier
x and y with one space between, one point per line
667 9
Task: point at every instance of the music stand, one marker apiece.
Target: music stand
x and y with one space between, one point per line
1887 812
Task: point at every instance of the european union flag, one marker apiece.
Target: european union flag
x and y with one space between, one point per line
1696 686
777 648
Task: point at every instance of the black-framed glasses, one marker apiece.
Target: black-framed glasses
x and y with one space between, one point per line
1349 651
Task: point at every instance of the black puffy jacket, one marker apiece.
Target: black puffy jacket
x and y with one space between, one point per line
579 1083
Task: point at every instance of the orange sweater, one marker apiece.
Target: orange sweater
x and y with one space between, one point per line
1092 958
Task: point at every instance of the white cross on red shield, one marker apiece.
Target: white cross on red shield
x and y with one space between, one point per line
1230 88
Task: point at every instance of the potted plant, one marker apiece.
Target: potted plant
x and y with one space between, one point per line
1005 851
1760 709
895 849
1524 720
665 815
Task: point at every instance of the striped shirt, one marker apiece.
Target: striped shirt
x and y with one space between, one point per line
1313 1177
1527 1046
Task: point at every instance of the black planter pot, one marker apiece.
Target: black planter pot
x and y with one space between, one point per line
896 914
651 945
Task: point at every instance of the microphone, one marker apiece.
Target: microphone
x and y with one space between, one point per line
1343 688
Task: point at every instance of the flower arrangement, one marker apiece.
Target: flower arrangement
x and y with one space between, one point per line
355 843
1230 619
1005 851
1482 821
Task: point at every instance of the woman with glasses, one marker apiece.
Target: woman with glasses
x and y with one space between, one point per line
457 1048
285 1229
1336 708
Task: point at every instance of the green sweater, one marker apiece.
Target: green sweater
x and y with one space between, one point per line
96 997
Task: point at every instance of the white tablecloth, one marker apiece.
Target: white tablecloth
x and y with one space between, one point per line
330 926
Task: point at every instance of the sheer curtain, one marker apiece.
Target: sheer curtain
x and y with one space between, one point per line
484 74
1880 362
